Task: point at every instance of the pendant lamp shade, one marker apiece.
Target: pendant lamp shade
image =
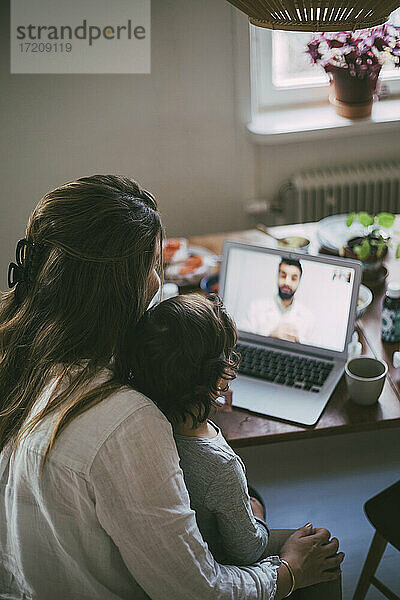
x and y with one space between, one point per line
317 15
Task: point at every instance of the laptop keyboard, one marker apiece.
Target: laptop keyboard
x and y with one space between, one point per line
286 369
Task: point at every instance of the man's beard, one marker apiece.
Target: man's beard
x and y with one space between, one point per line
285 295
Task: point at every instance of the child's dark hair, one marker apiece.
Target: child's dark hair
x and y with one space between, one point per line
182 348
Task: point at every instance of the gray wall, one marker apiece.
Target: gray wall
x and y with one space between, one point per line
180 131
277 162
174 130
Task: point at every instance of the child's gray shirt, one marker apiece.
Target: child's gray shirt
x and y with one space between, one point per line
216 481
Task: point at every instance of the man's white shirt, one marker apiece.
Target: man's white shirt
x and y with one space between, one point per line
264 316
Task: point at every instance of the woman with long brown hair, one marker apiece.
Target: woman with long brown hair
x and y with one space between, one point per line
92 499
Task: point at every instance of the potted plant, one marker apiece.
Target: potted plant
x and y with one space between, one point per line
353 61
372 245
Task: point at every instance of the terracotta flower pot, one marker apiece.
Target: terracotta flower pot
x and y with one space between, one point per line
352 97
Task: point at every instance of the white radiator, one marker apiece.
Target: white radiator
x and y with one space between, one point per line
312 195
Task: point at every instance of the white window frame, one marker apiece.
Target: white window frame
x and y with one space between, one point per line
266 96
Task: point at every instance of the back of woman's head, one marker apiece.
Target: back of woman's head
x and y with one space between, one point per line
95 242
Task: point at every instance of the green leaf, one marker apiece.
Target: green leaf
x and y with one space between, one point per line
385 219
398 251
365 219
350 219
381 248
363 251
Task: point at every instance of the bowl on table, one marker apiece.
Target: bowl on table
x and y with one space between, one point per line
294 242
364 300
210 284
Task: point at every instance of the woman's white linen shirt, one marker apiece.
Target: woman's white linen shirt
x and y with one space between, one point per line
110 518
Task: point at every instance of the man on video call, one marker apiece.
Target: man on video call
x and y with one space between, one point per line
282 316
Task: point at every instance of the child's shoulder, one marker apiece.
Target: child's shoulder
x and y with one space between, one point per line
215 450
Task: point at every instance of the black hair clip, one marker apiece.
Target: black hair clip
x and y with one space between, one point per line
16 271
20 272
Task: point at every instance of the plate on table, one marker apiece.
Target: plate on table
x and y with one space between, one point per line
365 298
197 263
333 233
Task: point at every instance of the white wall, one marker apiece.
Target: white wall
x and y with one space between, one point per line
180 131
174 130
277 163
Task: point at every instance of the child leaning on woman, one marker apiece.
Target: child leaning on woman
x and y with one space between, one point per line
183 358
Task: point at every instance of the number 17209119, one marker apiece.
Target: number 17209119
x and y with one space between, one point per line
45 47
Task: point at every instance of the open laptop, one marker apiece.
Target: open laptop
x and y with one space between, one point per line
295 315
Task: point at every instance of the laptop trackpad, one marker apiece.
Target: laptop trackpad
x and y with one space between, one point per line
276 401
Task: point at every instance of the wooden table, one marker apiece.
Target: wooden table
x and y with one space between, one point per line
341 415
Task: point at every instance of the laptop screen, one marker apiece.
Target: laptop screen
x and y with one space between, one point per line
300 301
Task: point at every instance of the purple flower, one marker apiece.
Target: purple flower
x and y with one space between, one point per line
362 53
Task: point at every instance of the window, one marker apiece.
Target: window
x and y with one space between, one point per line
282 73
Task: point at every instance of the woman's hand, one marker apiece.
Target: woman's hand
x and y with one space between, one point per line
312 555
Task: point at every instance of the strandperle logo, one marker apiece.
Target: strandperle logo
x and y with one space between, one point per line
94 36
81 32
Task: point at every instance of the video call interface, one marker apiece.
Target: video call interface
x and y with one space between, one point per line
299 301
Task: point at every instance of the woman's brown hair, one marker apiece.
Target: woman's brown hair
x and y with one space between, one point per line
98 239
181 350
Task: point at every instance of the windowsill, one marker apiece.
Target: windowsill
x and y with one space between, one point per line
321 122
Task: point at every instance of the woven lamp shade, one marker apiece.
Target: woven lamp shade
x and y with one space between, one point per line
317 15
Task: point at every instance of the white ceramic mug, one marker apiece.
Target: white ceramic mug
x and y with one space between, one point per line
365 378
